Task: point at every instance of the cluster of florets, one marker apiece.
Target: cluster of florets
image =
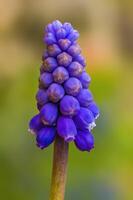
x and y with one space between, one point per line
66 106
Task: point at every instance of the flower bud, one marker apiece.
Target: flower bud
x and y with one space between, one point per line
53 50
35 124
75 69
94 109
74 50
72 86
56 25
84 141
45 137
42 97
66 128
46 79
55 92
85 79
81 60
73 35
84 120
60 75
61 34
64 59
64 44
68 27
49 39
50 64
69 106
49 113
49 28
84 97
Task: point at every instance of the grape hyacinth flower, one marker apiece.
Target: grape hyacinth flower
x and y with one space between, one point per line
63 80
84 141
66 108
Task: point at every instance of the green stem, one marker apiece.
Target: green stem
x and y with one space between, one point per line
59 171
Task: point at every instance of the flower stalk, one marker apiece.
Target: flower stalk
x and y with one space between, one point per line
59 171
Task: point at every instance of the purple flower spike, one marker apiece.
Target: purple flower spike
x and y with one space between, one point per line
85 97
72 86
94 109
45 137
49 114
35 124
84 120
66 128
46 79
64 59
85 79
60 75
64 101
75 69
84 141
55 92
69 106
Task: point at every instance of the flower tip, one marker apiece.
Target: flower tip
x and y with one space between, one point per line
69 138
89 150
97 116
91 126
40 146
31 131
66 128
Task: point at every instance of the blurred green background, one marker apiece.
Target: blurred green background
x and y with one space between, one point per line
106 37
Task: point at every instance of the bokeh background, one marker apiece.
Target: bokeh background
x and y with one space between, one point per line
106 37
